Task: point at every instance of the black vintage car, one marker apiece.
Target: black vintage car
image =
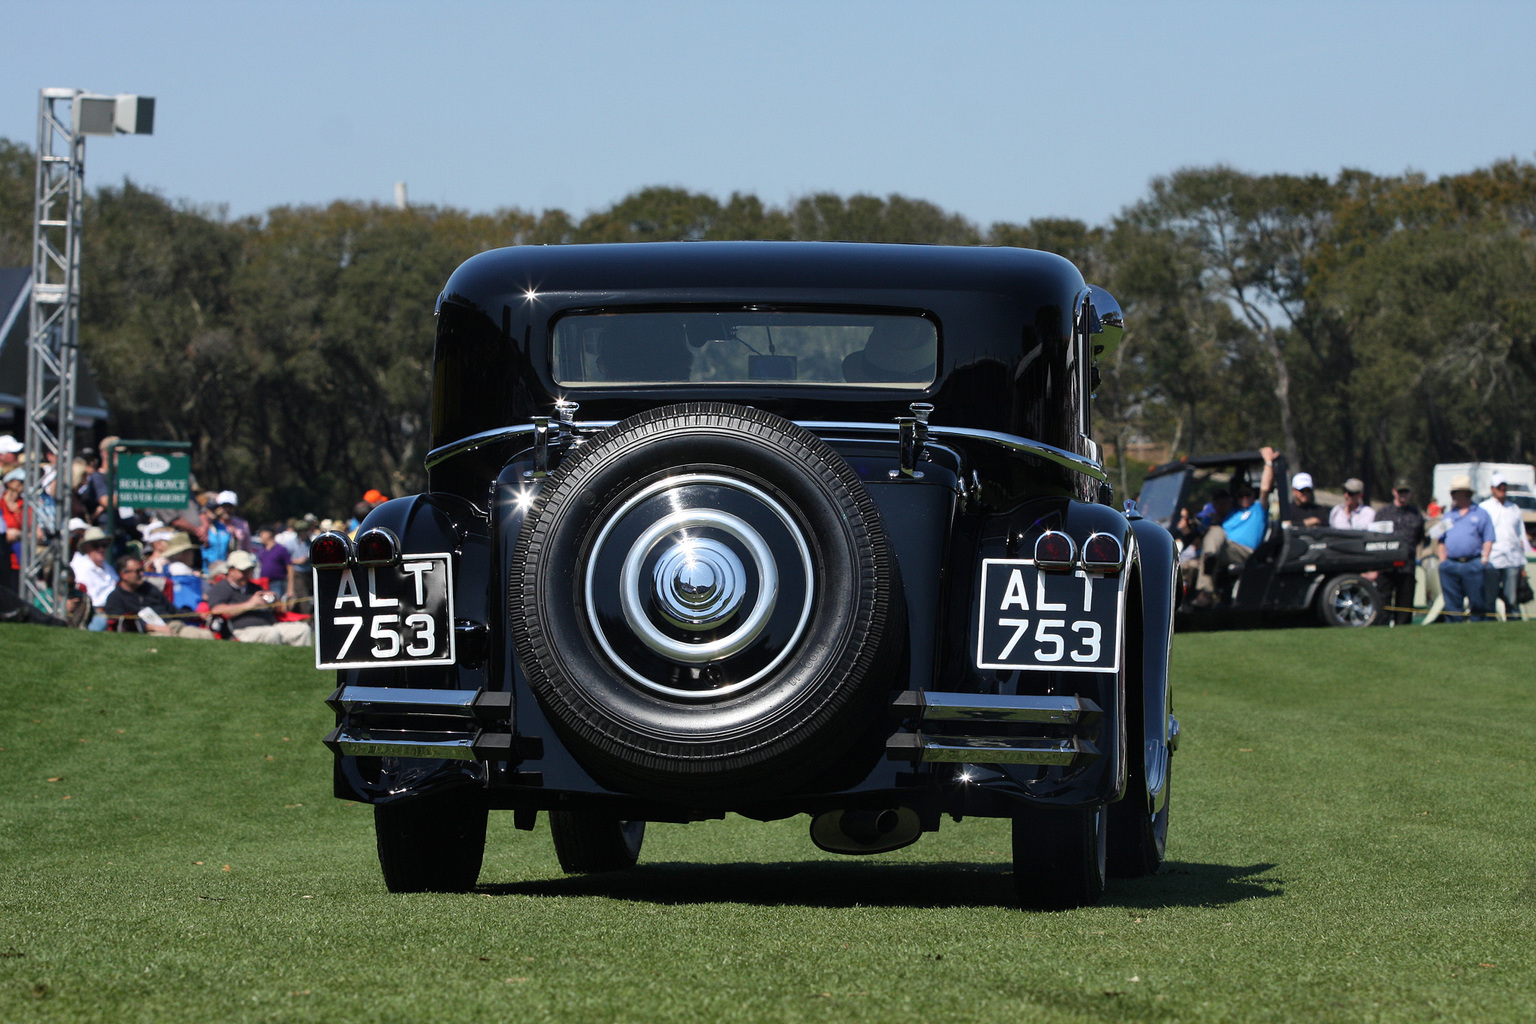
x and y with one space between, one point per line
1298 571
766 528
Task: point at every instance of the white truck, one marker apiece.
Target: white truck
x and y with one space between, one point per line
1521 478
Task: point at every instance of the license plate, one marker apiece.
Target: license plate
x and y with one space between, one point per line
1048 621
385 615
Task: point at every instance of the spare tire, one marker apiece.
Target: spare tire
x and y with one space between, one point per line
704 602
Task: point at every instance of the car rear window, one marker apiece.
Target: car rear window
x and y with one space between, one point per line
632 349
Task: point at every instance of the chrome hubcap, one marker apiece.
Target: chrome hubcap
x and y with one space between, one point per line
713 590
699 584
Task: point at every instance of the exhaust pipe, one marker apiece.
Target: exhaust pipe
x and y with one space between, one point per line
865 830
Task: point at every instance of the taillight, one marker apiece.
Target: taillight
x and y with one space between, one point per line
1054 550
377 546
330 551
1102 553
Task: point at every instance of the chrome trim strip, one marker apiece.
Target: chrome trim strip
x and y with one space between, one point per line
474 441
1069 460
1060 456
984 707
402 700
1003 750
365 743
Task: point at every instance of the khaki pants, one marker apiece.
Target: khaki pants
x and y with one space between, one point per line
1216 553
294 634
187 632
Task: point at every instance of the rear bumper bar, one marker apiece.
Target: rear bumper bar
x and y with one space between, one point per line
451 725
930 709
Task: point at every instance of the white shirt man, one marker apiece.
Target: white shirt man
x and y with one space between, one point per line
1508 527
90 566
1354 514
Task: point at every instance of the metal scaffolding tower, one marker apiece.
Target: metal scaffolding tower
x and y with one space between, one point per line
64 118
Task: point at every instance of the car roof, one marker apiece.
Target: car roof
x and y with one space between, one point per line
802 267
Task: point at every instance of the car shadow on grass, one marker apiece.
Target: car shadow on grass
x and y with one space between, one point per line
934 884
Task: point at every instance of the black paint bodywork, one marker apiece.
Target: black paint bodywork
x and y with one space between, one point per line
1012 360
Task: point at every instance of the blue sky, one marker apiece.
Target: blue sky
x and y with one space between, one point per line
998 111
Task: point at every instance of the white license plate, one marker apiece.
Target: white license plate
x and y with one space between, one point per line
387 615
1048 621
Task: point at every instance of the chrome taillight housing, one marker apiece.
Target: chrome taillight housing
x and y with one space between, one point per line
1103 552
330 550
1055 551
377 546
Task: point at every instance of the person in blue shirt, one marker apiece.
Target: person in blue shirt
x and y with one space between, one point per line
1464 549
1241 529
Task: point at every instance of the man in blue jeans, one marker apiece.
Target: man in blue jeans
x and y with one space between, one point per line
1464 549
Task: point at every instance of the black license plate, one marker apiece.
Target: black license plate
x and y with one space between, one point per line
1048 621
385 615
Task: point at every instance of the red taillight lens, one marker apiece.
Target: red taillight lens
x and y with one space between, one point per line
1103 553
377 546
1054 550
330 551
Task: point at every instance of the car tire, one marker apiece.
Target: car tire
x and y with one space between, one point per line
431 844
776 691
1138 835
1060 857
1349 601
586 842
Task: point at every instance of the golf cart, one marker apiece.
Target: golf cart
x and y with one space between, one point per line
1294 570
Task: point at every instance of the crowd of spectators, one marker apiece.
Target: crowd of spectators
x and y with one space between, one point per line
196 572
1477 553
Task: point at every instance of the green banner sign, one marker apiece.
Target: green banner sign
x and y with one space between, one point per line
154 480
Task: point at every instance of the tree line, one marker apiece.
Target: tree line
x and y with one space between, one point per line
1368 325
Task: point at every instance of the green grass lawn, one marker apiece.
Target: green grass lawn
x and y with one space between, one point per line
1352 841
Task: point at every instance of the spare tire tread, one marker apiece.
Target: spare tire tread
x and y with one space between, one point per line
753 758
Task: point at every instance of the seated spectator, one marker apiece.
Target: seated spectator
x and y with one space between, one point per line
1354 514
1305 511
275 562
140 607
248 608
10 511
1231 543
94 574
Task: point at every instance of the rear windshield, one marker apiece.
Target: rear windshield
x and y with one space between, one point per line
745 347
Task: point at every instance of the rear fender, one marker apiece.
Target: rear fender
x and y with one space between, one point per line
1150 692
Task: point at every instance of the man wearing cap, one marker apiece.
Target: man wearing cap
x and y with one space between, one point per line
1507 559
1354 514
1305 511
249 608
10 452
141 607
93 573
1408 524
1464 549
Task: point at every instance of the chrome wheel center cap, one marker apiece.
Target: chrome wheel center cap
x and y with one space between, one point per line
699 583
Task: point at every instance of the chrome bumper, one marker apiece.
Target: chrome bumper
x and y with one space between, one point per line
927 708
452 725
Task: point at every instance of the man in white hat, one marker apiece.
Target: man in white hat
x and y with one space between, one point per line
10 452
1507 559
1305 511
94 574
249 608
1464 548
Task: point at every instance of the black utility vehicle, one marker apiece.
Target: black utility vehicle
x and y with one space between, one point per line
766 528
1296 570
